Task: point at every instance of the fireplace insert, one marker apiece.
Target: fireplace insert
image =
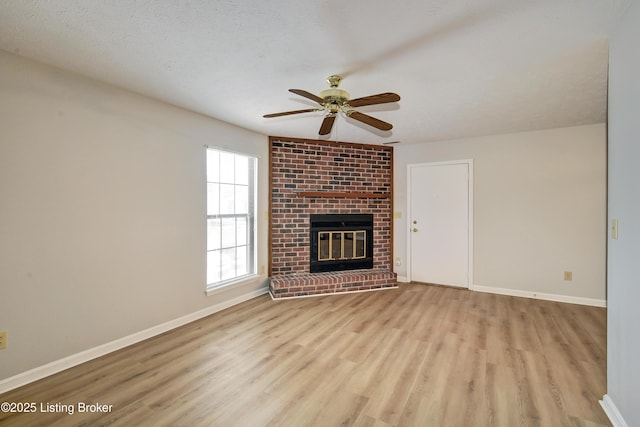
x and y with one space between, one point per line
341 242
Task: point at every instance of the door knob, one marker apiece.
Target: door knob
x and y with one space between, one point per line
415 230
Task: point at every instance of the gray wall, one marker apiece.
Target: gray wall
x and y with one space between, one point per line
102 212
623 372
539 209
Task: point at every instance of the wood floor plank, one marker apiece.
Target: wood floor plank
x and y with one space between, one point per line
413 356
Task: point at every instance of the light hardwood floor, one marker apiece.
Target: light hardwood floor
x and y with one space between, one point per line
419 355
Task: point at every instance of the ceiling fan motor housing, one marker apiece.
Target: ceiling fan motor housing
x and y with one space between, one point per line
335 96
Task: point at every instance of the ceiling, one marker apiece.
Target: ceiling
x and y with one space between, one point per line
462 67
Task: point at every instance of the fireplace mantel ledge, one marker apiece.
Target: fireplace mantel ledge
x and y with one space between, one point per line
347 195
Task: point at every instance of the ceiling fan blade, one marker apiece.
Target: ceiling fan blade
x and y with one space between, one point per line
286 113
327 124
308 95
371 121
381 98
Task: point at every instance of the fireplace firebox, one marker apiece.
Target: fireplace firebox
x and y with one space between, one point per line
341 242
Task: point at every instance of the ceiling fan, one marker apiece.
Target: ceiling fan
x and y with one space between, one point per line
334 100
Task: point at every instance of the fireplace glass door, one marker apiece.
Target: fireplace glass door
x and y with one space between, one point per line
339 245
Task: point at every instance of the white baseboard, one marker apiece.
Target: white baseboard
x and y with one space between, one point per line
403 279
612 412
543 296
92 353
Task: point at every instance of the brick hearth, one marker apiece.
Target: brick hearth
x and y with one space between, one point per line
304 284
309 177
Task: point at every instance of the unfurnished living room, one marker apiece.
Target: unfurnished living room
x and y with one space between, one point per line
285 213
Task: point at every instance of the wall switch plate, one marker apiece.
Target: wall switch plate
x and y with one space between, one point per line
3 339
568 275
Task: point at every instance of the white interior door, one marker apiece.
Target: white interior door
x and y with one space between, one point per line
439 219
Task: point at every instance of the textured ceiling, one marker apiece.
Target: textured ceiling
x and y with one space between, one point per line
463 68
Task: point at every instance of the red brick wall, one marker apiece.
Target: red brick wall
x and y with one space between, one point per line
308 165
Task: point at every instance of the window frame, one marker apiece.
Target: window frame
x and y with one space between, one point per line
250 218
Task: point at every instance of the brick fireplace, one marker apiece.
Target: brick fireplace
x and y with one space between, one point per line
319 178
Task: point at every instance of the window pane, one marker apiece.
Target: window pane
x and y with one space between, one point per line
213 199
241 260
242 199
226 168
226 199
228 232
228 259
213 266
241 231
242 170
213 166
213 234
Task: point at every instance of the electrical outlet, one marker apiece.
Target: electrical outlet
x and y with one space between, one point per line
3 339
568 275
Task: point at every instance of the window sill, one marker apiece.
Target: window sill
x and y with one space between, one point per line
225 286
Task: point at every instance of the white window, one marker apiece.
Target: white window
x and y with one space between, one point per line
231 206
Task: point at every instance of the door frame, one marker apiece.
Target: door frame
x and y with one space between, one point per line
469 163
